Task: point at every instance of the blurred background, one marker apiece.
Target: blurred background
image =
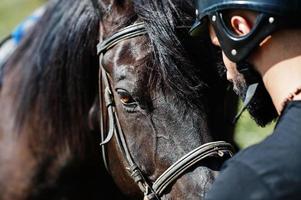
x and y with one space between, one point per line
13 12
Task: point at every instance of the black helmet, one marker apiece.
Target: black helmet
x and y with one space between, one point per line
272 15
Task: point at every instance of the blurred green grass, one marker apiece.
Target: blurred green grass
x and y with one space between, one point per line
247 132
13 12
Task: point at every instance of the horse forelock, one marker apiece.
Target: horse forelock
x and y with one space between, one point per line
180 63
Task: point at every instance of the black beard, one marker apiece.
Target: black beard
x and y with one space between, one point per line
261 107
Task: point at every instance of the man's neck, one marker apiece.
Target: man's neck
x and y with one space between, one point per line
279 63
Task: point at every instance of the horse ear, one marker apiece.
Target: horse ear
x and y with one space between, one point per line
93 119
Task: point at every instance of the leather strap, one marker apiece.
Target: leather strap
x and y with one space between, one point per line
219 149
129 32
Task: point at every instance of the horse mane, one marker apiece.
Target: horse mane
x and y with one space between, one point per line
55 69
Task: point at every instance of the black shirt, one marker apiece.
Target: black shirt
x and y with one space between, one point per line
269 170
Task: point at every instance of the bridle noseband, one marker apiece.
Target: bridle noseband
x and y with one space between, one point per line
151 190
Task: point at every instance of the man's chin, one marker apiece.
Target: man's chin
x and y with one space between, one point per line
261 107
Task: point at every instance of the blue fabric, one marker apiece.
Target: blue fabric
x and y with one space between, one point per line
20 30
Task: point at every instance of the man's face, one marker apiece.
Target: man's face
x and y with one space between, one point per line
236 78
261 107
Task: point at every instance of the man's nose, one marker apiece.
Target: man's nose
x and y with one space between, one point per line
213 36
229 76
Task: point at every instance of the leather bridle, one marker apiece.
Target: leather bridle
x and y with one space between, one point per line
151 190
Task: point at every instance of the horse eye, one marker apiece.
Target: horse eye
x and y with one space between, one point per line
125 97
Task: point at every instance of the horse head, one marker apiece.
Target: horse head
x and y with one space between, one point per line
156 99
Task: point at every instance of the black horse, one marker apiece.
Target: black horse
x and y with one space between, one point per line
167 93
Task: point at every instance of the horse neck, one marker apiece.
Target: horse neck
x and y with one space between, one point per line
30 154
16 153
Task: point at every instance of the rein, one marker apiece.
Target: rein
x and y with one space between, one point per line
152 191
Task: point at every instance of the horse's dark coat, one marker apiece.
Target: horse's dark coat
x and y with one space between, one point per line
47 150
